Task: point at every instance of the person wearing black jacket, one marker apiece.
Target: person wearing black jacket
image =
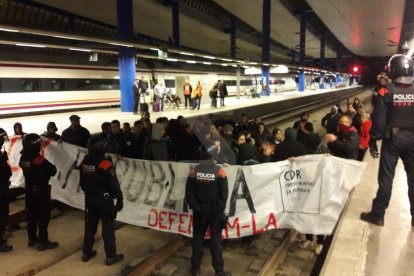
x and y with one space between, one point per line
5 174
76 134
50 132
290 147
37 172
116 139
135 91
330 120
346 144
303 126
223 92
99 182
206 194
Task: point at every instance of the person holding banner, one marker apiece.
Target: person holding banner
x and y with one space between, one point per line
99 182
5 174
206 193
37 172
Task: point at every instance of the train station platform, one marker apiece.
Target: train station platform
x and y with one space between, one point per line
92 119
361 248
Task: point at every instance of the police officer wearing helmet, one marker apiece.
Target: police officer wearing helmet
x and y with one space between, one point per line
393 124
5 174
37 172
100 184
206 193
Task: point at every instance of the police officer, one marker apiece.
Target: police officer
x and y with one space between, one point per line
393 123
101 187
5 174
37 172
206 193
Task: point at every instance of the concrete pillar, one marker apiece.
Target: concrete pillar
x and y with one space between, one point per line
126 55
266 44
238 82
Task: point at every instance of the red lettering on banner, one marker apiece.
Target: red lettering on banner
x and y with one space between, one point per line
231 226
180 229
171 217
162 215
156 218
190 225
255 230
271 221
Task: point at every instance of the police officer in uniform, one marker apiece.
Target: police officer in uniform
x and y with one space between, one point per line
393 124
100 184
37 172
5 174
206 193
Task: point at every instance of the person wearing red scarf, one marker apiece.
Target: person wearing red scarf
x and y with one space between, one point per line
346 144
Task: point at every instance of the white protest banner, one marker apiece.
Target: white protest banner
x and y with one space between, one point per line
307 195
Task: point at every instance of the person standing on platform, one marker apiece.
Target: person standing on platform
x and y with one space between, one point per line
393 123
223 92
187 91
99 182
3 134
206 193
143 87
330 120
303 126
213 95
5 174
198 95
50 132
18 129
159 92
37 172
76 134
135 90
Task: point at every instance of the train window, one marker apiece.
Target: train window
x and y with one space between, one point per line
84 85
60 85
246 83
230 82
29 85
105 84
169 83
1 87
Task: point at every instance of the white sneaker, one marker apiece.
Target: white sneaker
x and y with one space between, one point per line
318 249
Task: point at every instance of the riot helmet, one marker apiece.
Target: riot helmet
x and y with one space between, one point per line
31 144
97 145
400 69
1 141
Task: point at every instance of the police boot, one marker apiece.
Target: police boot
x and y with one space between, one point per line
32 243
87 256
371 218
47 245
115 259
4 247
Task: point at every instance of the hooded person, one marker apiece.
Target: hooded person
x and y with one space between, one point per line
290 147
330 120
156 147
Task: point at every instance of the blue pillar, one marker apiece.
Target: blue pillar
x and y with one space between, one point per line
302 47
338 64
233 38
266 44
322 62
176 22
126 56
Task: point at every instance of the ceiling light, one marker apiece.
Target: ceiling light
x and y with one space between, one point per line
191 61
120 44
172 59
80 49
226 59
266 64
207 63
9 30
154 49
234 65
240 61
30 45
187 54
67 37
209 57
223 64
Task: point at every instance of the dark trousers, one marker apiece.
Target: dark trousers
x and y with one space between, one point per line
136 104
4 212
197 102
214 102
361 154
187 98
221 101
94 211
400 146
38 214
200 225
319 238
161 100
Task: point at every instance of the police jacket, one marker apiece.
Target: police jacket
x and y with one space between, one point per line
5 172
37 172
79 136
347 144
98 179
206 189
379 113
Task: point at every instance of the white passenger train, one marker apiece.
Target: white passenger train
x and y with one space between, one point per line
33 87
